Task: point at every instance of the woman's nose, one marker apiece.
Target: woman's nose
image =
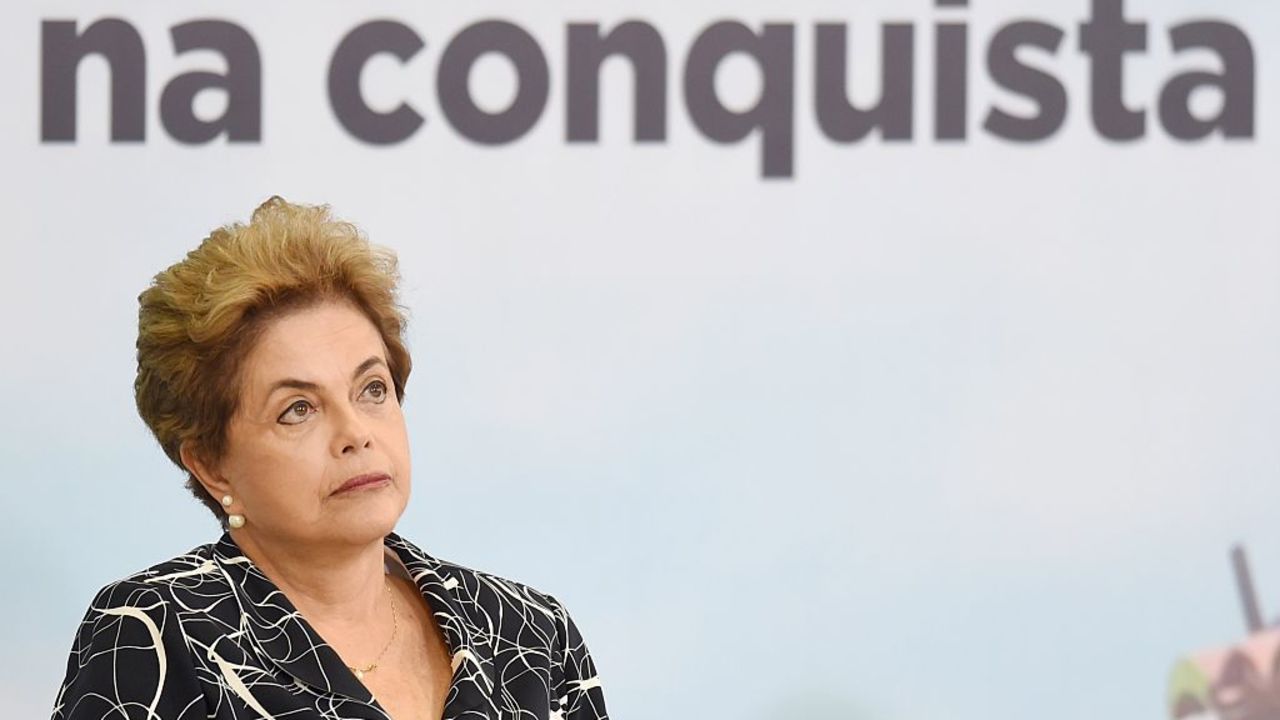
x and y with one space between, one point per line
352 431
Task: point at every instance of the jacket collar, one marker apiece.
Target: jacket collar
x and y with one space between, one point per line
279 631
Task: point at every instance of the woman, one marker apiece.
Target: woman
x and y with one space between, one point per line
271 369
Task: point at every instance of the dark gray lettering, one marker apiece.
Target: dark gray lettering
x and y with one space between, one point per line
242 120
532 82
1236 83
349 59
773 52
951 78
1105 38
61 52
839 119
641 44
1008 72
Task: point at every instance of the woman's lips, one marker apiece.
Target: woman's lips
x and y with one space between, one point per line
361 482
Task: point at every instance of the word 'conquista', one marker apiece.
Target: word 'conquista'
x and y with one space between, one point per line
1105 38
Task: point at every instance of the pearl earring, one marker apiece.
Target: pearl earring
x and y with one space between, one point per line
234 520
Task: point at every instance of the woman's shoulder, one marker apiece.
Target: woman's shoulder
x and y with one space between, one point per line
137 623
186 570
162 597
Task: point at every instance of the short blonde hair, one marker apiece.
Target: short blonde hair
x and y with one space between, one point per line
199 319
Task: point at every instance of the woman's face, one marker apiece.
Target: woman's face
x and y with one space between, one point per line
317 409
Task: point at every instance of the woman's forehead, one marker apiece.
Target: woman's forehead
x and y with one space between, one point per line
323 340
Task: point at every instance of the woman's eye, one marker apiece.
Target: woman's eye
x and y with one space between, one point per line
296 413
377 390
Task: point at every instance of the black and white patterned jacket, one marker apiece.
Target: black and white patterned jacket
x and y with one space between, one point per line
207 635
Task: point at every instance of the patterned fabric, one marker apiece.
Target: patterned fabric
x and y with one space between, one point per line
207 635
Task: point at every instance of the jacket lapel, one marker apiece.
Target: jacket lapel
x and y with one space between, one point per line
283 636
474 677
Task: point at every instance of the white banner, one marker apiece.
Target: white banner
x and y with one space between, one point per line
901 360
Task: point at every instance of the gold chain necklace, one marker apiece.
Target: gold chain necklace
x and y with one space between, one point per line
395 627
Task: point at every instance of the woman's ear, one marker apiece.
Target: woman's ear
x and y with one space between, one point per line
213 483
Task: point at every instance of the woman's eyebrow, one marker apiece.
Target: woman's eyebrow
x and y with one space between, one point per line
291 383
368 363
295 384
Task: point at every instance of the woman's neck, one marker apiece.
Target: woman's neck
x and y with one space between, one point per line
331 586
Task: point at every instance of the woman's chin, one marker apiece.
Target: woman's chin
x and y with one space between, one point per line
364 522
